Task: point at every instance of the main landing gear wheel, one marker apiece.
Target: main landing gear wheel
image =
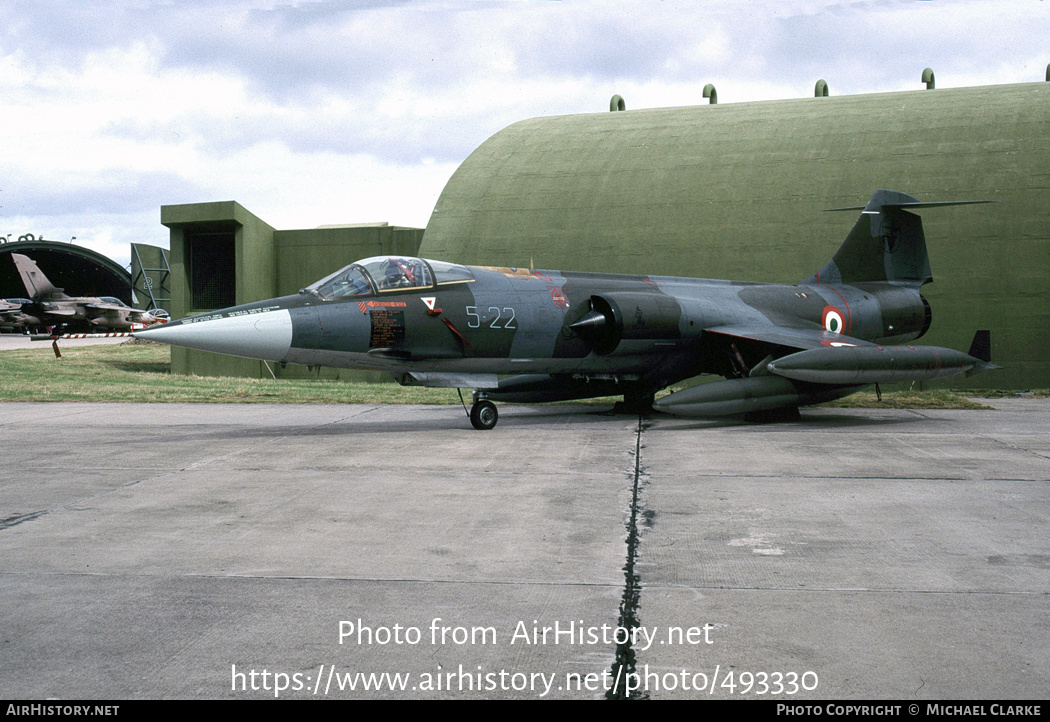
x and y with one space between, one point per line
483 415
635 402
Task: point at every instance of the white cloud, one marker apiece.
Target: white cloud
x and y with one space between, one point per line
312 113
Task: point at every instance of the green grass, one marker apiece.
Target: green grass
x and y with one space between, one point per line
141 372
933 399
1006 394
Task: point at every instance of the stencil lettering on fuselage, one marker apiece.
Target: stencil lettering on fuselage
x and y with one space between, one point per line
388 328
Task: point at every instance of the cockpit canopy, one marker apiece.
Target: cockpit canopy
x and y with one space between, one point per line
381 274
112 300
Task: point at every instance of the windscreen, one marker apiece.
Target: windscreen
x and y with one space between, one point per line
350 281
389 273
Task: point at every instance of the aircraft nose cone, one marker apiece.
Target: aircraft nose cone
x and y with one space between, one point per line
265 335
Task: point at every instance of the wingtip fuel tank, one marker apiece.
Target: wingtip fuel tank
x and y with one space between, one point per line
874 364
744 396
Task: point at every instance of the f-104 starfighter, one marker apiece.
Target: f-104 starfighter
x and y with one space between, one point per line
528 336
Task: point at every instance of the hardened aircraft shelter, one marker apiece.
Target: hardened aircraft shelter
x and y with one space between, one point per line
738 191
732 190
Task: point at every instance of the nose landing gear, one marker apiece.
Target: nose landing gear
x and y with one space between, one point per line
483 415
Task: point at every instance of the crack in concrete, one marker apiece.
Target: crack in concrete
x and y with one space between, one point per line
624 664
19 518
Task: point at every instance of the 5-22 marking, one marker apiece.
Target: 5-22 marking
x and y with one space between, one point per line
501 317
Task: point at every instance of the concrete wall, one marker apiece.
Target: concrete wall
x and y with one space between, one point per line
736 191
254 275
268 262
302 253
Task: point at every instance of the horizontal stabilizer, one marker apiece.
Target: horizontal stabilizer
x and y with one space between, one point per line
887 244
907 205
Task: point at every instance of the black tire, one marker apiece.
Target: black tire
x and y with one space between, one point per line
483 415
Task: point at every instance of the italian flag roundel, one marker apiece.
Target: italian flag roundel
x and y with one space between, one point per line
833 320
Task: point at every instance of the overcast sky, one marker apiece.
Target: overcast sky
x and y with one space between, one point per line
318 113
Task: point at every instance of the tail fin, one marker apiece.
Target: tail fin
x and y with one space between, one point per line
36 283
886 244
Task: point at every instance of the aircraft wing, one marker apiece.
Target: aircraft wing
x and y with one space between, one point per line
830 358
108 310
800 338
818 366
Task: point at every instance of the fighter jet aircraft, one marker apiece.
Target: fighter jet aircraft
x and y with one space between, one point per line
12 316
521 335
50 306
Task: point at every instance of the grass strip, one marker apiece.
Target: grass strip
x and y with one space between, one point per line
141 372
